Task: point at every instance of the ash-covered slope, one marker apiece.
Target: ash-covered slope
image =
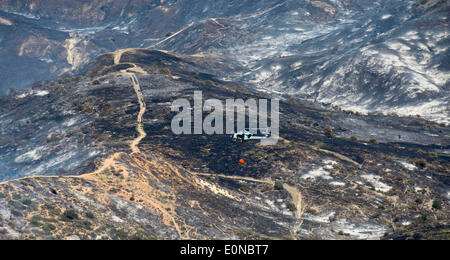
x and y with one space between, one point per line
367 56
111 168
48 38
388 56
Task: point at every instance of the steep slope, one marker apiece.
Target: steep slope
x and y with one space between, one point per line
368 56
387 56
130 177
48 38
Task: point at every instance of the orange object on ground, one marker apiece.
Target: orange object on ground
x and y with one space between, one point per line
241 161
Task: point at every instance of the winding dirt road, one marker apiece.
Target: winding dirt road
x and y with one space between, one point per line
134 145
152 197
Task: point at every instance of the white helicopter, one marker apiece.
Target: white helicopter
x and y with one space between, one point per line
249 135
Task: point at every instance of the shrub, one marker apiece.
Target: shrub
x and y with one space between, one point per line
96 82
166 71
66 80
354 138
90 215
420 220
70 215
307 122
49 227
36 220
414 122
436 205
291 206
328 132
420 163
373 141
210 82
27 202
278 185
432 155
120 234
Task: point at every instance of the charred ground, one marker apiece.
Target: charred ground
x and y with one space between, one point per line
354 182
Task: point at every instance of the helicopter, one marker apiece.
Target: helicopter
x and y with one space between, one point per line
248 135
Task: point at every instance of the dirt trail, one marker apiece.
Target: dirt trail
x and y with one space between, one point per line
173 35
140 125
153 197
134 145
111 161
293 191
257 14
297 199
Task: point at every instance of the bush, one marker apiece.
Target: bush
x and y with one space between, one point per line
420 163
70 215
49 227
278 185
373 141
210 82
414 122
66 81
166 71
436 205
36 220
120 234
354 138
27 202
291 206
432 155
328 132
96 82
90 215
